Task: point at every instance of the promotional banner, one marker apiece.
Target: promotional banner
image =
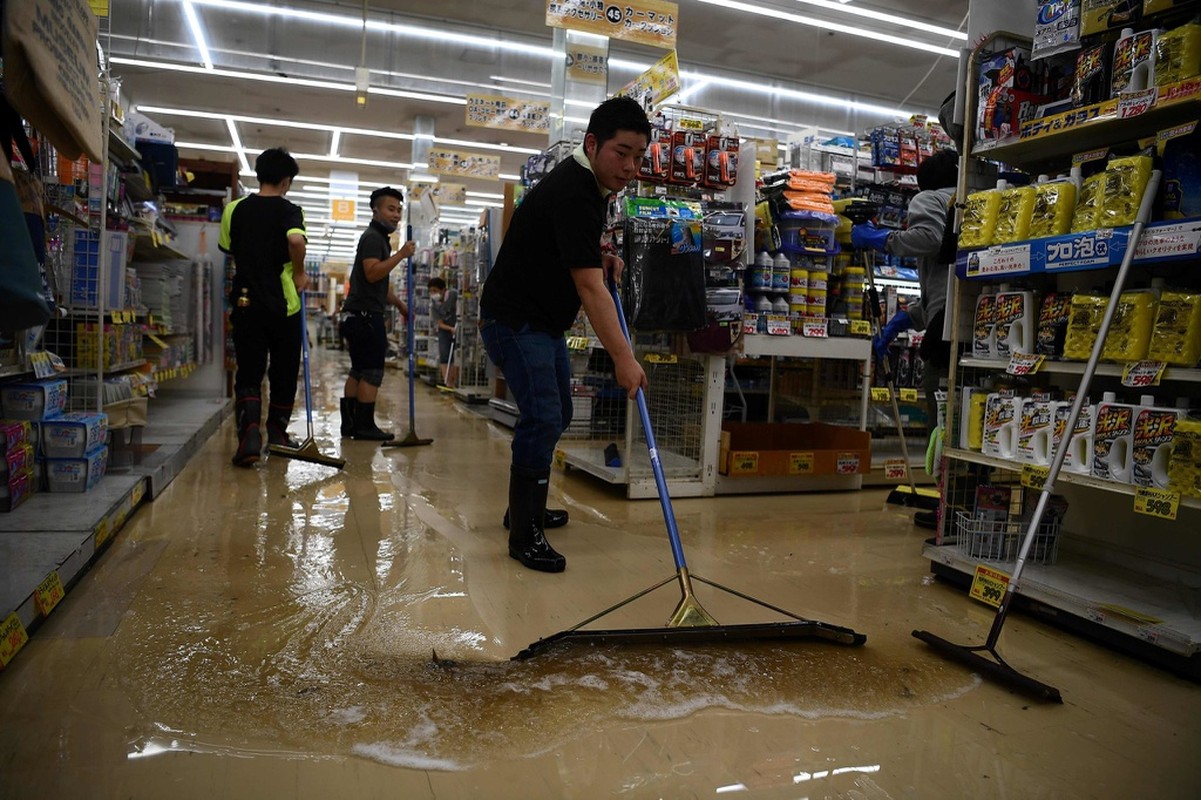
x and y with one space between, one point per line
644 21
452 162
587 64
343 189
659 82
507 113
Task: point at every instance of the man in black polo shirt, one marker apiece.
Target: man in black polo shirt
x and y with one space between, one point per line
549 265
265 234
370 293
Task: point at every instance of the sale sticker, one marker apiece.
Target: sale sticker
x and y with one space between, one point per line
1141 374
1024 364
989 585
1156 502
861 327
1035 477
49 592
12 638
800 463
895 469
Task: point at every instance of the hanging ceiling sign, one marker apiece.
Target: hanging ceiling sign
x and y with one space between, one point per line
343 189
507 113
644 21
451 162
454 194
659 82
587 64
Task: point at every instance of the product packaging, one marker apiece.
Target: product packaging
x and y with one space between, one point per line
1090 82
1054 205
1005 86
34 401
1176 338
74 434
1125 181
1037 417
971 427
1133 62
980 218
1079 456
1090 204
687 158
1180 148
1015 323
1178 54
721 162
1000 424
1129 334
1113 438
14 433
1057 28
1154 430
76 474
992 509
1013 215
984 331
1184 469
1053 324
1101 15
1083 326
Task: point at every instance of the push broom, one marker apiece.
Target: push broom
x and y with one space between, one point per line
860 212
689 624
306 450
974 657
411 438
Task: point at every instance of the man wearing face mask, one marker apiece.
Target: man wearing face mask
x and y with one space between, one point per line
363 325
445 312
550 265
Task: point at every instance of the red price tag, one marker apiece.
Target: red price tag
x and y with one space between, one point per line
894 469
816 328
1133 104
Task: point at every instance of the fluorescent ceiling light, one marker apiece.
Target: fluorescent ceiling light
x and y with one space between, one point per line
832 26
892 19
237 141
335 140
489 195
502 78
197 34
693 87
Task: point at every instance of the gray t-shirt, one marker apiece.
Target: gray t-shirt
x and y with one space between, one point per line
365 295
923 239
446 311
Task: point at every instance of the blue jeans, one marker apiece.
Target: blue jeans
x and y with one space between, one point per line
538 373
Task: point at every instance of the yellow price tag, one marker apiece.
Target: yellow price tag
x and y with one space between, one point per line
1156 502
655 358
12 638
690 125
881 395
1142 374
989 585
908 395
744 463
577 343
800 463
1034 477
139 491
560 458
49 592
861 327
103 531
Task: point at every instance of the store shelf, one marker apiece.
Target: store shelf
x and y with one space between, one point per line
1161 242
1073 478
120 150
51 208
174 373
844 347
147 248
1077 368
1052 139
589 456
788 484
1147 608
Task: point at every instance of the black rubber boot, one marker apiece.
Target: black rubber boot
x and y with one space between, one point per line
555 518
365 428
527 504
248 411
348 404
278 417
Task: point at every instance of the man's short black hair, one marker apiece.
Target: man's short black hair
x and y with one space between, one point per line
617 114
939 171
436 283
386 191
273 165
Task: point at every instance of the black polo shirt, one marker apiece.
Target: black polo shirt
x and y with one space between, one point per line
365 295
255 231
557 228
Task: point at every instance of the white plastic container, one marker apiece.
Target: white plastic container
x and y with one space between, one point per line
1014 329
1001 424
1151 449
1035 423
1079 457
76 474
74 435
1113 438
984 332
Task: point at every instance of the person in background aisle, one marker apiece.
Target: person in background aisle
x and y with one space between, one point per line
929 236
265 235
364 325
551 263
445 312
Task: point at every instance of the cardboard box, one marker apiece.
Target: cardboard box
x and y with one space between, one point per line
34 401
76 474
129 413
14 433
796 449
1006 94
74 435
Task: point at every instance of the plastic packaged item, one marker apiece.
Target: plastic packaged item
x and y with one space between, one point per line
1113 438
798 283
76 474
1056 28
1090 82
1088 310
1014 214
1130 332
980 218
1176 337
1054 205
14 433
1133 61
1042 438
1184 467
1180 151
1125 181
1014 322
721 161
1090 204
763 304
74 435
1178 54
973 401
781 273
780 305
984 332
1154 430
1101 15
34 401
1053 319
1037 416
1001 412
1079 456
1007 93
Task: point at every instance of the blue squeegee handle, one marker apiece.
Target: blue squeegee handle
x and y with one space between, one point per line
410 330
669 516
304 351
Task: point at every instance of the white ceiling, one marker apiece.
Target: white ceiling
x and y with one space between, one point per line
449 48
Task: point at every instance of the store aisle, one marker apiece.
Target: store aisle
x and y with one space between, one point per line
269 633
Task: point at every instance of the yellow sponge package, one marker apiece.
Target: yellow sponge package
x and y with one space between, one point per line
1178 54
1054 204
1089 204
1125 181
1176 339
1184 470
1083 325
1130 332
1013 215
979 219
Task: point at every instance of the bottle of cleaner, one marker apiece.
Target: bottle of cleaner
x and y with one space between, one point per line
781 274
1044 439
1151 450
1113 433
1000 424
1036 417
985 330
1015 322
1079 457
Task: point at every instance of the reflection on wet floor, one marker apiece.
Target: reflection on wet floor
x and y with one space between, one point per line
300 631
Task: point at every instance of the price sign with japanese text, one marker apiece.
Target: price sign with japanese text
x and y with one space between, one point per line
1141 374
1034 477
908 395
48 593
1086 249
744 463
778 325
1156 502
895 469
861 327
816 328
1134 104
1024 364
989 585
881 395
12 638
800 463
658 358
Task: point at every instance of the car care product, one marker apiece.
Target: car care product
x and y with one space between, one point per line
1184 468
1151 448
984 331
1015 322
980 217
1035 421
1129 334
1079 456
1084 323
1133 62
1176 336
1090 204
1125 181
1014 214
1000 424
1053 319
1113 434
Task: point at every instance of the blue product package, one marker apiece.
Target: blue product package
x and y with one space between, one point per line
1181 148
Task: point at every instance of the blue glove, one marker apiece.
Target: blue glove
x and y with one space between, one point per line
869 237
899 322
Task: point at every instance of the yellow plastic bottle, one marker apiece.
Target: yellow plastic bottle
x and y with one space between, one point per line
1014 215
980 217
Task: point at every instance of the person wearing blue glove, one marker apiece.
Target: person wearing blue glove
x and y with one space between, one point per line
926 237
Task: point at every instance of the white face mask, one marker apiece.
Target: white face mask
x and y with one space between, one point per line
436 297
